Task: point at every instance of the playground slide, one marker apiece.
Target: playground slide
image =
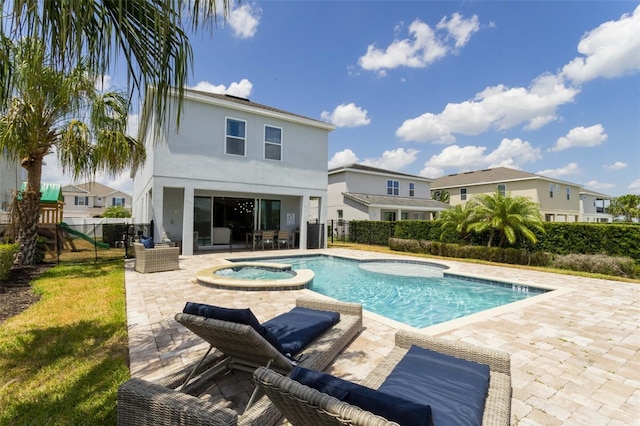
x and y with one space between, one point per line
85 237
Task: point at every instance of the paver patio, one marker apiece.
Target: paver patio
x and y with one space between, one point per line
575 352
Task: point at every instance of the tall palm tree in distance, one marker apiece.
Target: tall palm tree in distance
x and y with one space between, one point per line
506 215
57 108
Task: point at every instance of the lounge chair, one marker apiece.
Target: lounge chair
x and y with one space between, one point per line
302 404
178 400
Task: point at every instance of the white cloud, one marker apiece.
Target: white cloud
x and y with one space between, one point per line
610 50
396 159
347 115
423 46
496 107
569 169
459 28
342 158
594 184
103 83
581 137
511 153
241 89
244 20
618 165
634 186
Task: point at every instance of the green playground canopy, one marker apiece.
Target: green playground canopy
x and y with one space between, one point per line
51 192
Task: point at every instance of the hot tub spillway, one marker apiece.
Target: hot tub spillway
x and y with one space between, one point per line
260 276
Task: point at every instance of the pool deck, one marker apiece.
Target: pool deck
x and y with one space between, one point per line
575 352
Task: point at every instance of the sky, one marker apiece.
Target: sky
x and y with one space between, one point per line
433 88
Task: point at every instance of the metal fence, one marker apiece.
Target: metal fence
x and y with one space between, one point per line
361 231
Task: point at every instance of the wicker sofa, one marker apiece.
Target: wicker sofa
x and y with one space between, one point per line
156 404
303 405
158 259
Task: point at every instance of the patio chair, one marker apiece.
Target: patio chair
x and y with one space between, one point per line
181 399
284 239
413 389
158 259
268 238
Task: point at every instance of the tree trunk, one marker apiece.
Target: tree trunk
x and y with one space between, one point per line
26 213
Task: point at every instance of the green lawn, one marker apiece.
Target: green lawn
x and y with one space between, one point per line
61 361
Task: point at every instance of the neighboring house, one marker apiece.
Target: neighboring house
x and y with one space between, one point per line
559 201
10 181
359 192
86 200
232 164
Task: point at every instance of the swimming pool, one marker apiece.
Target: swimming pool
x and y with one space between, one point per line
414 300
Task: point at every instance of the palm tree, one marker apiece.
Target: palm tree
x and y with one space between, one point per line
627 206
457 219
51 108
509 216
149 35
441 195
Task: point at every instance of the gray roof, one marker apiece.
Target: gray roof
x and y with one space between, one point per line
498 174
362 167
248 103
395 201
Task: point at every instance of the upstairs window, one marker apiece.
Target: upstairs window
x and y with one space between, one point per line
502 189
412 189
81 201
463 194
550 190
117 201
272 143
568 193
393 187
235 137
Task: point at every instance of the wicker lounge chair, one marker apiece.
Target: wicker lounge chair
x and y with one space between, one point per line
238 347
158 259
303 405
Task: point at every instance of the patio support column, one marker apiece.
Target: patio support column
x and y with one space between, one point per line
399 215
304 216
157 209
322 214
187 222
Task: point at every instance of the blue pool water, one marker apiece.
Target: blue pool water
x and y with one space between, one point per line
414 299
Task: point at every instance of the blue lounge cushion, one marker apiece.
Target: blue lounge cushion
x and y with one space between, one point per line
300 326
391 407
238 316
455 388
147 242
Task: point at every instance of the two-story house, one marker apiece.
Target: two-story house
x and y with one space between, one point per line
90 199
359 192
559 201
232 164
10 181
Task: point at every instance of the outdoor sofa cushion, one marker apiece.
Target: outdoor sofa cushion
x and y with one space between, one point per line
455 388
392 407
147 242
300 326
289 333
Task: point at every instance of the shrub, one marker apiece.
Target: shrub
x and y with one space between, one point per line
597 264
7 253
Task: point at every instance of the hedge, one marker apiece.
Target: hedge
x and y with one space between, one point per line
7 253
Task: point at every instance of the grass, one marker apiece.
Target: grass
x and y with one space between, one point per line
61 360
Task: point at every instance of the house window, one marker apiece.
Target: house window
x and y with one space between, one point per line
81 201
390 216
393 187
272 143
269 214
340 218
550 190
502 189
412 189
568 193
235 137
463 194
118 201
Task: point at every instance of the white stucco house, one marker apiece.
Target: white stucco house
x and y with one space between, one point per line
359 192
558 200
233 164
90 199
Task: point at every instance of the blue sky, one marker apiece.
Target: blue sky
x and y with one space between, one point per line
434 88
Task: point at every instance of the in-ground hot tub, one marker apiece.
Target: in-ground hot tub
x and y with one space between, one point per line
255 276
